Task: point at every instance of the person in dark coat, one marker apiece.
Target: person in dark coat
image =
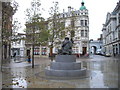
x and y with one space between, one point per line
29 58
14 56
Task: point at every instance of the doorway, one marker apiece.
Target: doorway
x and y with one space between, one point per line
84 50
93 49
28 52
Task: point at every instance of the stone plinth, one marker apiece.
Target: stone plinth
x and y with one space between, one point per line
65 66
65 58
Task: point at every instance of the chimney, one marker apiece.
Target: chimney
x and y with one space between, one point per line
63 10
69 8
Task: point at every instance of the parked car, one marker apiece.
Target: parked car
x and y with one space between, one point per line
98 52
103 53
107 55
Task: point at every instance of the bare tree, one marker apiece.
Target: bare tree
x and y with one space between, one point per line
36 26
9 9
16 25
56 27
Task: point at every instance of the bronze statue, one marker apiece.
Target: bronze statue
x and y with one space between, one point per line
66 47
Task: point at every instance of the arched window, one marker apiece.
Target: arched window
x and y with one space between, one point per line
81 22
85 22
86 34
82 33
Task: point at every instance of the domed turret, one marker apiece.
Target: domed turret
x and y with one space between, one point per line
82 6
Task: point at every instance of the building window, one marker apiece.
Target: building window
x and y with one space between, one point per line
85 22
72 23
63 24
116 49
82 33
86 33
113 35
119 33
119 18
63 15
119 48
36 51
110 27
72 33
110 38
81 22
62 33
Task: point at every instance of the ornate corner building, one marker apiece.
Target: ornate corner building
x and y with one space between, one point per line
75 24
111 32
76 21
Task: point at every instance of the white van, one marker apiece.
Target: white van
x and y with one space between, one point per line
98 52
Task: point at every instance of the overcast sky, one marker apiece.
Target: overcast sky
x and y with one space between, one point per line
97 11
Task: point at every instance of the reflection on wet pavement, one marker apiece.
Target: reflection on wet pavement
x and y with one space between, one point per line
104 74
19 82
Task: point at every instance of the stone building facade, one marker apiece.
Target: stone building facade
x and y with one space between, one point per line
7 13
0 32
38 49
18 46
111 32
95 46
78 21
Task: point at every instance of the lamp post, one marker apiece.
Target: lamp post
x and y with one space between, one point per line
33 49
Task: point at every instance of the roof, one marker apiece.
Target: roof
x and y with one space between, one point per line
82 6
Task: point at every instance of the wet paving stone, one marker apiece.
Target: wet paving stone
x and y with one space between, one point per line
103 74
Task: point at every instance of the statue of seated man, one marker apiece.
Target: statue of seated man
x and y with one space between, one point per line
66 47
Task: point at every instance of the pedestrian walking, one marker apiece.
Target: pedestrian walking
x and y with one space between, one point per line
14 56
29 58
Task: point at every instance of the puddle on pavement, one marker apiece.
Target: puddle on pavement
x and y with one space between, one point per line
104 74
19 83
